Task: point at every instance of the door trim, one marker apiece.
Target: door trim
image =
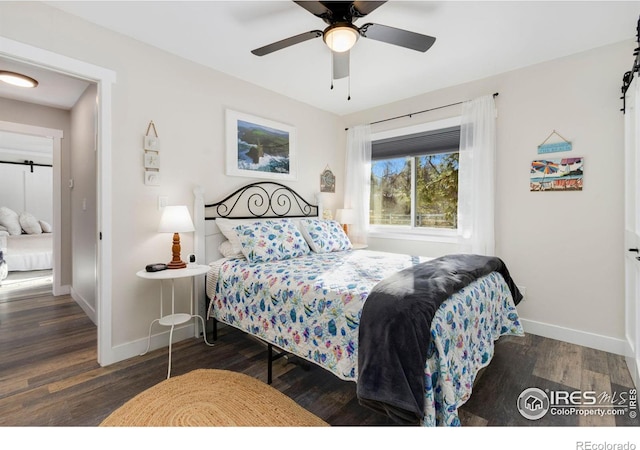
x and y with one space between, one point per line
104 78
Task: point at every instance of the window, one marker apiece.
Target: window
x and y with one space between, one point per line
414 178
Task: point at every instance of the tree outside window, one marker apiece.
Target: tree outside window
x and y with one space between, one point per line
417 191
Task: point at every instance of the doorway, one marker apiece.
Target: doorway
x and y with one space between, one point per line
103 78
26 188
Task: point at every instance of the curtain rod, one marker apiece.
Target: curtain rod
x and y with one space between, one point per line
26 163
420 112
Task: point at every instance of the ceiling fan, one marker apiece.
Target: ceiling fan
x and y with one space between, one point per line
341 34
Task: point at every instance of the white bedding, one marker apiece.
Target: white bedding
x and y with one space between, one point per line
28 251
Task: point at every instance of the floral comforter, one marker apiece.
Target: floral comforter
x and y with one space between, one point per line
310 306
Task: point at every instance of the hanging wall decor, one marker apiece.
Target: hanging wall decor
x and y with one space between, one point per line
151 146
554 147
327 181
151 143
556 174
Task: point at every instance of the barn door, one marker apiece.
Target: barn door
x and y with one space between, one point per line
632 227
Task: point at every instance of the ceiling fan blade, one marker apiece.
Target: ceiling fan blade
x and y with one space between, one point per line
340 65
286 42
362 8
315 8
396 36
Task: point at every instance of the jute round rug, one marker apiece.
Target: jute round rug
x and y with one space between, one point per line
208 397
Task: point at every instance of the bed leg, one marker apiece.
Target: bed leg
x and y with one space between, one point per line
269 363
215 329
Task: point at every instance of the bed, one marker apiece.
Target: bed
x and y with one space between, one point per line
313 305
27 251
25 241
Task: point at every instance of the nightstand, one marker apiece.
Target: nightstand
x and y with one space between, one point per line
173 319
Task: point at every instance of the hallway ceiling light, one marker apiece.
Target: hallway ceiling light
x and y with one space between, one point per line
17 79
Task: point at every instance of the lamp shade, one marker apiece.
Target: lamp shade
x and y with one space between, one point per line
341 37
175 219
345 216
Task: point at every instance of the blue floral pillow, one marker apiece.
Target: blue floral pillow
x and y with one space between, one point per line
325 236
271 241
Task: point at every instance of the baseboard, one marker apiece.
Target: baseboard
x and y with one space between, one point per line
84 304
634 369
158 340
61 290
584 338
633 362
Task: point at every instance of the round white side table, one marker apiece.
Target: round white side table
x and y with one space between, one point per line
173 319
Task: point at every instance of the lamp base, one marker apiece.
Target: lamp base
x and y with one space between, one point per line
177 265
176 262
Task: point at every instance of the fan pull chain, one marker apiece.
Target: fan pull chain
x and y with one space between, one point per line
331 71
349 82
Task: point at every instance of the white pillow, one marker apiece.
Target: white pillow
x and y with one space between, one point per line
46 228
226 249
10 220
227 228
29 223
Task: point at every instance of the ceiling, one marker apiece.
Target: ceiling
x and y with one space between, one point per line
475 39
54 89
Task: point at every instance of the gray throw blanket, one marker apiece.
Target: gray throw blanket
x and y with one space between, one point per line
395 330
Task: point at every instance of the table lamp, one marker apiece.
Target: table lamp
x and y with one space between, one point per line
346 217
176 219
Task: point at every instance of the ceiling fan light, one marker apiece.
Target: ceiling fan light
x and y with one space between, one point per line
17 79
341 38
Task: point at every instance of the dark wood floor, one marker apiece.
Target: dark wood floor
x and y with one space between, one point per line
49 375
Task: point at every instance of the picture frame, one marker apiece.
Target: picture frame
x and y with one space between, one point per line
151 178
548 175
327 181
152 143
260 148
151 160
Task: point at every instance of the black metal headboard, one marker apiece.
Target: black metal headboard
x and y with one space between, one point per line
263 199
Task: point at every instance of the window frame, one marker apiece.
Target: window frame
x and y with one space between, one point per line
448 235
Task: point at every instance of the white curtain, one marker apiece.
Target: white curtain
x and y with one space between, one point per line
476 175
358 180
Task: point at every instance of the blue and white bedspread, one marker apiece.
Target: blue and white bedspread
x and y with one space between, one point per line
311 305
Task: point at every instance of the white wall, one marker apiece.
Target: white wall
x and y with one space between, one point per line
83 200
566 248
187 102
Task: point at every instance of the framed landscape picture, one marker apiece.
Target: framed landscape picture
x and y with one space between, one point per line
260 148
